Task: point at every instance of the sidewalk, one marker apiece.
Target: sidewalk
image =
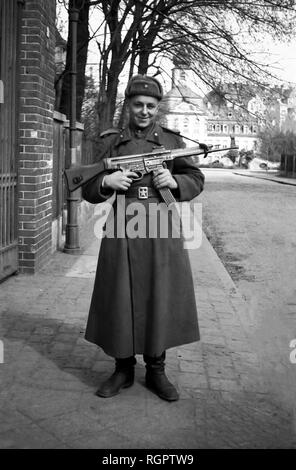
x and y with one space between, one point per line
265 175
50 373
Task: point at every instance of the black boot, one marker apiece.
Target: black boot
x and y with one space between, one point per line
157 381
122 377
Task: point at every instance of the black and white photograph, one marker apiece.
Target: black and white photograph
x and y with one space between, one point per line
147 229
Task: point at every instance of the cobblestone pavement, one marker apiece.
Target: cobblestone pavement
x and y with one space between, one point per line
252 225
50 373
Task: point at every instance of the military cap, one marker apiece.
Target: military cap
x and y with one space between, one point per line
144 85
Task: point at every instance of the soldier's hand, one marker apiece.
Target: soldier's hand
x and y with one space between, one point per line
164 179
119 180
205 148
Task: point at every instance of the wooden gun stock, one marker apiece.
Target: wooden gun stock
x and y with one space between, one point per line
77 176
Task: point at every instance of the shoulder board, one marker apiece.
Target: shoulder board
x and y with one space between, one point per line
166 129
109 132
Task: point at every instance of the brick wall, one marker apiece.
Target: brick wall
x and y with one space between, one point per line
36 133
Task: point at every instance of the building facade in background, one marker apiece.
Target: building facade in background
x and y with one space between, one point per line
230 111
183 109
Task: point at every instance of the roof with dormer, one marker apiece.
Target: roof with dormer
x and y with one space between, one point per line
182 91
182 100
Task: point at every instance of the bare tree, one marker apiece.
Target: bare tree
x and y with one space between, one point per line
212 37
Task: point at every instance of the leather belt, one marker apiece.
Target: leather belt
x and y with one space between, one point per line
140 192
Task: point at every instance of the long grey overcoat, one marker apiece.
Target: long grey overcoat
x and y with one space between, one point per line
143 298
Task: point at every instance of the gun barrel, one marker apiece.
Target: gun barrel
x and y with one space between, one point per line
193 151
170 154
116 162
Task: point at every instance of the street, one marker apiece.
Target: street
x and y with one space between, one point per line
251 224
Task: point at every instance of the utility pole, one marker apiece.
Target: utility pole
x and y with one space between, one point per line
72 229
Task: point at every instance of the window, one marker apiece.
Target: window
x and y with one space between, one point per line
225 129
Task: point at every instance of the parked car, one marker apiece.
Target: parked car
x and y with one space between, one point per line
226 162
258 164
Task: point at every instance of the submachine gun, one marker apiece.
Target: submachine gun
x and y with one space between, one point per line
141 164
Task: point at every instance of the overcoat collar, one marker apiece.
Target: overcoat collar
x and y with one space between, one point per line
155 135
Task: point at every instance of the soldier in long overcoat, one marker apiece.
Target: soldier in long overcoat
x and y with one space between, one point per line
143 299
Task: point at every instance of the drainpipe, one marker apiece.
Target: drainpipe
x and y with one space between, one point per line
72 228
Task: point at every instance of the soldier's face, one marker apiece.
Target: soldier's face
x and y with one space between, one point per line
142 110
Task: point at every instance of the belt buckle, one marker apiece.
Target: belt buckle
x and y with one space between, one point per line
143 192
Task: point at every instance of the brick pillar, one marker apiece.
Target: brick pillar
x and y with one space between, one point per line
37 98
